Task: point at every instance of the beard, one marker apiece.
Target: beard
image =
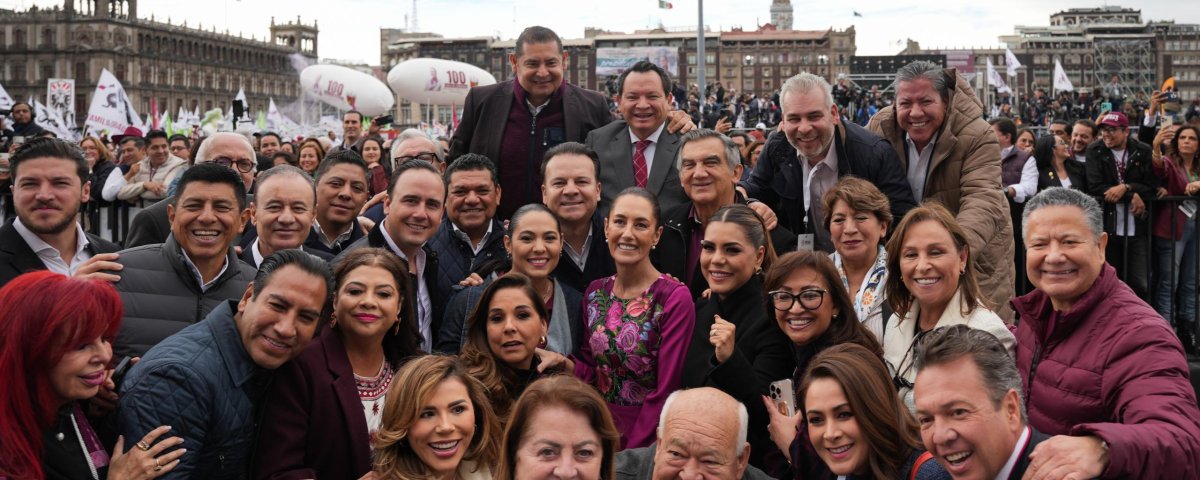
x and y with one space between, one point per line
56 227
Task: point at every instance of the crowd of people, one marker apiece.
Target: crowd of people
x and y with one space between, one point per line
557 293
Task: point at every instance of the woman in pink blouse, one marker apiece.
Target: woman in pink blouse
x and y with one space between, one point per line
638 324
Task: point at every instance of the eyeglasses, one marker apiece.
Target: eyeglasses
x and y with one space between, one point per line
244 166
810 299
426 156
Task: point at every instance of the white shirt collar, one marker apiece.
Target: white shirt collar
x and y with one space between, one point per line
653 138
921 151
258 256
424 302
47 252
1015 455
196 271
474 248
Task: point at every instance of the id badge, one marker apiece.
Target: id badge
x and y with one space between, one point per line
805 242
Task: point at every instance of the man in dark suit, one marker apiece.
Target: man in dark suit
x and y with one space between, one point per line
496 118
415 205
571 190
639 150
969 405
812 150
282 213
50 182
151 226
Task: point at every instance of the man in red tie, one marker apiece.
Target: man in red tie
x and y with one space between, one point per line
639 151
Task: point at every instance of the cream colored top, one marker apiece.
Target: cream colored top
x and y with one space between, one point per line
898 337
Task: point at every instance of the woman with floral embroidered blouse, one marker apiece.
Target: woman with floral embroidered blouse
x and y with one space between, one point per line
638 324
858 216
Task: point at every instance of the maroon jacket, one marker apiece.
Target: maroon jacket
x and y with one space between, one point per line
1175 181
1110 367
314 426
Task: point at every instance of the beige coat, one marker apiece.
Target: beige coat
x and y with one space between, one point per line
964 176
898 348
133 189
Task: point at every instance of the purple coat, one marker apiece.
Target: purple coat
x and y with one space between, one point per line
314 426
1110 367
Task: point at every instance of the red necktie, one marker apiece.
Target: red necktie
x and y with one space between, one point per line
640 172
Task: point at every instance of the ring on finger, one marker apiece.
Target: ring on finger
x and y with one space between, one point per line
145 447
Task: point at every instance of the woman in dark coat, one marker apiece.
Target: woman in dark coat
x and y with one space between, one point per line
326 405
733 334
1056 165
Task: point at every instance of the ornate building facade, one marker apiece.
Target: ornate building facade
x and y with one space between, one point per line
173 65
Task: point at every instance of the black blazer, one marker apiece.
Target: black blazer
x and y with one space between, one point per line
485 116
777 179
437 299
1035 437
17 258
1048 177
248 255
671 254
314 426
599 262
762 354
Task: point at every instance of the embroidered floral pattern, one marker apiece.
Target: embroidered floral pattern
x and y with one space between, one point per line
624 336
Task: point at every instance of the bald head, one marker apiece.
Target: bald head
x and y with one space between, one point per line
702 431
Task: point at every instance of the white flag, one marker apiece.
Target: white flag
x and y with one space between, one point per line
1011 62
111 109
1061 81
52 121
6 102
995 79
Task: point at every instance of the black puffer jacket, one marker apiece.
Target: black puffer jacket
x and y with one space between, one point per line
161 295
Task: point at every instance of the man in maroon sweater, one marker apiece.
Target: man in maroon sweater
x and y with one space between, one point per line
514 123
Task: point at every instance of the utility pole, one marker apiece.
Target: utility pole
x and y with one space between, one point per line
702 68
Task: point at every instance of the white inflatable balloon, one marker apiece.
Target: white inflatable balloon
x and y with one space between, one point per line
341 87
435 81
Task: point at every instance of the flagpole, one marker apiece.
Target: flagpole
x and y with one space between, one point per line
702 69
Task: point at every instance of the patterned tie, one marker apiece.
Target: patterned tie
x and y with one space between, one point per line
639 163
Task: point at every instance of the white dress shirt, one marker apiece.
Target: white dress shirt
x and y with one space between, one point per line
918 166
650 149
580 258
1015 455
196 271
49 255
424 303
116 180
1027 187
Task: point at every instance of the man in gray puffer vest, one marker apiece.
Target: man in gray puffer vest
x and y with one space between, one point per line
166 287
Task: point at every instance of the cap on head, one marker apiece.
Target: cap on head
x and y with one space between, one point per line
1115 119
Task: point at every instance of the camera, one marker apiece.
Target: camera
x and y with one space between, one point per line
5 111
382 120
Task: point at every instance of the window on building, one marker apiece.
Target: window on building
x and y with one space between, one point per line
748 60
841 59
81 73
748 85
822 59
3 39
766 71
18 74
47 38
710 58
19 38
766 59
691 59
785 71
747 71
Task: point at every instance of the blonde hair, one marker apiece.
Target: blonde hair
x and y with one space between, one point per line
411 388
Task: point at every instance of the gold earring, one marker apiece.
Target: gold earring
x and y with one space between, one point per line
397 328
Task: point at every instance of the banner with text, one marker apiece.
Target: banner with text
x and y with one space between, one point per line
613 61
60 98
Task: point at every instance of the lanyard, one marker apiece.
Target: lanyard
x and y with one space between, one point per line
1122 165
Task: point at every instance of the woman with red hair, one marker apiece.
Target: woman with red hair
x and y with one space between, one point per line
57 344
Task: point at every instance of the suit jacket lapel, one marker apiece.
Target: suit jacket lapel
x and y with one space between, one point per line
498 107
346 392
21 257
622 152
571 114
664 158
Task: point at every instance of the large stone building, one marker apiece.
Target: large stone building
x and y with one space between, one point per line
175 64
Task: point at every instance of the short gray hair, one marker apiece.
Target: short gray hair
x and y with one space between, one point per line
732 157
1093 214
202 153
806 82
284 171
929 71
743 420
411 133
998 371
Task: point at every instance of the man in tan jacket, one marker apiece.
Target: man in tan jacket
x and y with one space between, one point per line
951 156
147 181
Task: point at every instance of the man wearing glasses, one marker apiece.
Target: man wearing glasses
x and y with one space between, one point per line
227 149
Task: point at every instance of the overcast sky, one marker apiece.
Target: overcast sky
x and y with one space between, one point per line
350 28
